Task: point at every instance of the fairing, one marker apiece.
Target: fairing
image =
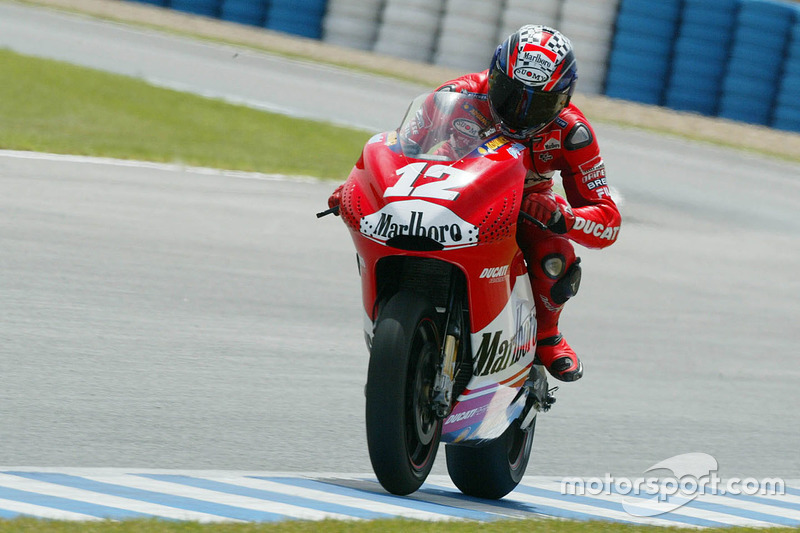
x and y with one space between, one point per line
437 188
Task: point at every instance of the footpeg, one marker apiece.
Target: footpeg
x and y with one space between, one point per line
540 398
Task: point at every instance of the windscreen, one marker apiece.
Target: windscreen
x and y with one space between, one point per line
444 126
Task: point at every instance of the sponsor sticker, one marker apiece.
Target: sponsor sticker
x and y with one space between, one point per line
419 218
476 114
467 127
466 415
551 141
498 350
491 146
515 150
601 182
590 227
593 169
495 274
535 65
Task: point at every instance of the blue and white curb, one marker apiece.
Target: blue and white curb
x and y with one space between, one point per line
226 496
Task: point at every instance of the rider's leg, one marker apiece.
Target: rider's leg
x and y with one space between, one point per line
555 275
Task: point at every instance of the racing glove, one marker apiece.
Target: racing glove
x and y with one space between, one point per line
548 211
335 199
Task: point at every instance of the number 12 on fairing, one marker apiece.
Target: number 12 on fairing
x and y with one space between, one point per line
449 178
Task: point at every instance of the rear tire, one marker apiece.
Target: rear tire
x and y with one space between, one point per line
492 470
402 430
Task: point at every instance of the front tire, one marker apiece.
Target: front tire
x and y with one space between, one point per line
492 470
402 430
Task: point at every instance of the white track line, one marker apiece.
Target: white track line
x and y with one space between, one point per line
44 512
253 504
71 493
327 497
167 167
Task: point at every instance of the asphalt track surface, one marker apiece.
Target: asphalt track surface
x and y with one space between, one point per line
163 317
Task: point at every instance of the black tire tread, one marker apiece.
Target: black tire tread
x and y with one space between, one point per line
386 391
484 471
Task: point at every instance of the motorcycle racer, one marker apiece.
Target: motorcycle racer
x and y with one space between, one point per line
528 86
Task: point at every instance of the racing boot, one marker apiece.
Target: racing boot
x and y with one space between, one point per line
558 357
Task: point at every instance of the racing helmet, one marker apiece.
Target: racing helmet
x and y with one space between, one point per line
531 79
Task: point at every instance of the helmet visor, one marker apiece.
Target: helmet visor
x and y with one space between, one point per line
521 107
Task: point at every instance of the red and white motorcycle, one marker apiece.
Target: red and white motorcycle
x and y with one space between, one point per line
449 314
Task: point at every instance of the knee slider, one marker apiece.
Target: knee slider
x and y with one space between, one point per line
568 280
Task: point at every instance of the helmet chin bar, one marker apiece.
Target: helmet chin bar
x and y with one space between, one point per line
499 126
521 135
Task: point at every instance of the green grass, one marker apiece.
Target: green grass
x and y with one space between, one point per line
330 526
50 106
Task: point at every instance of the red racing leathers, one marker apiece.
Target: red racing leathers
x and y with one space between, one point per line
588 215
566 145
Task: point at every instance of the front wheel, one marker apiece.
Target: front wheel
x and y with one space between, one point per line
402 430
493 470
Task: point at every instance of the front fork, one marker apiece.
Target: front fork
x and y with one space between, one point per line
446 371
445 378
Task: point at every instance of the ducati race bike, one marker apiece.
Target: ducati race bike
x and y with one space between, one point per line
449 316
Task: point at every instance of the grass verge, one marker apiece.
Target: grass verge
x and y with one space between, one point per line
49 106
758 140
330 526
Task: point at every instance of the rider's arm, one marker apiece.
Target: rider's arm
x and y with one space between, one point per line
597 218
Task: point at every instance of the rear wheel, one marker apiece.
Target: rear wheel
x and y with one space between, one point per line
402 430
494 469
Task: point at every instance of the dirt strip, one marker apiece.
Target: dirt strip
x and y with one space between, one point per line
598 108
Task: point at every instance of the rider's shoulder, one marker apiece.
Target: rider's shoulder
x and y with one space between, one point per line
474 83
576 130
